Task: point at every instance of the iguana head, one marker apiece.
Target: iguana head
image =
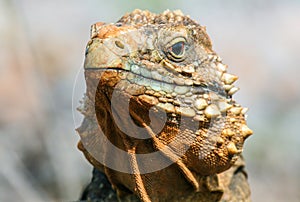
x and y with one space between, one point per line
160 71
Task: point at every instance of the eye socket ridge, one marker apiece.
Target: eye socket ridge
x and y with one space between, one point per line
176 49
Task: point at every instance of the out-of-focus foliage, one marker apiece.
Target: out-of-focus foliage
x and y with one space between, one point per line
42 49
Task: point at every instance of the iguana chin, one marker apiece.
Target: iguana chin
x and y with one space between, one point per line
158 92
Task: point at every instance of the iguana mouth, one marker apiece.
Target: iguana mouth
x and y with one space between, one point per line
199 102
157 82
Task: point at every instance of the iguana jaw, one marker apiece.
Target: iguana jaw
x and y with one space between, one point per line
221 121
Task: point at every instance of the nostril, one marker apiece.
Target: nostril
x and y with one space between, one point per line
119 44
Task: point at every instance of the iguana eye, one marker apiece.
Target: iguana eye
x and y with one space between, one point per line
176 49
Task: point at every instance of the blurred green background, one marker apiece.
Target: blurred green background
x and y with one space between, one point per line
42 46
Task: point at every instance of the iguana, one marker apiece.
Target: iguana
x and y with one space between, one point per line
160 123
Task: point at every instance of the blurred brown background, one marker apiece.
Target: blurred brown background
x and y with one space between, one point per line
42 50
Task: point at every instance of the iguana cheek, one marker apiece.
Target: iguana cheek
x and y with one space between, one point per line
216 148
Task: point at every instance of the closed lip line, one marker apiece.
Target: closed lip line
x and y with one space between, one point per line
143 80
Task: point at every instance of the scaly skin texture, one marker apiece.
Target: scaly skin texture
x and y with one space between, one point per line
155 84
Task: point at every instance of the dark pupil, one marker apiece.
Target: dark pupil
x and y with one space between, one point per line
177 48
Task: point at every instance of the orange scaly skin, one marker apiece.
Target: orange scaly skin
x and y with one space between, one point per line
156 76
